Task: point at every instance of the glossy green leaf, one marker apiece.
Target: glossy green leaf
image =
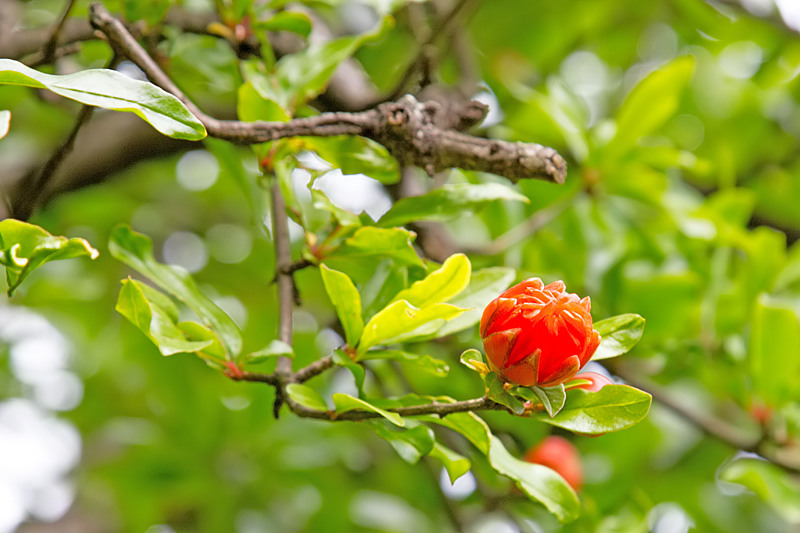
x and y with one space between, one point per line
497 392
456 464
136 251
618 335
537 481
612 408
484 286
411 444
369 242
214 353
5 123
552 398
425 362
470 425
399 320
356 155
25 247
638 116
306 396
346 300
345 403
474 360
111 90
276 348
774 353
156 316
440 285
773 485
446 202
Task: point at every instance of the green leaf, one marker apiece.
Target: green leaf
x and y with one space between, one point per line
370 242
426 362
410 444
552 398
484 286
345 403
440 285
276 348
343 217
496 391
136 251
305 74
156 316
774 353
470 425
456 464
306 396
399 320
537 481
214 353
292 21
638 116
768 482
25 247
346 300
473 359
254 104
356 155
612 408
446 202
5 123
343 359
618 335
111 90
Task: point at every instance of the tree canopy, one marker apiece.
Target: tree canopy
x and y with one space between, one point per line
248 246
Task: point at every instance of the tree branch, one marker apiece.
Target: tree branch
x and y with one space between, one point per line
713 427
435 408
410 130
31 189
283 260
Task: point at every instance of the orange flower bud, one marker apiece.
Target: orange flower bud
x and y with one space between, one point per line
537 335
597 381
562 456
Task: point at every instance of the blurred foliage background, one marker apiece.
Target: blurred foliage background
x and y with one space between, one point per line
680 122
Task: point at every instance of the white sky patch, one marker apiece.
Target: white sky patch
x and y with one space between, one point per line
355 193
790 11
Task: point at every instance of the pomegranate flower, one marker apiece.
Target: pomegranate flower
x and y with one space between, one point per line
537 335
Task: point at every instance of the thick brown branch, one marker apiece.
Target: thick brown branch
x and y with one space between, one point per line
410 130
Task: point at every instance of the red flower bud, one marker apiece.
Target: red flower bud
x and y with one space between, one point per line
537 335
562 456
597 381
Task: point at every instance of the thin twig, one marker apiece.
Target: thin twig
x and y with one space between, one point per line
411 131
48 51
442 28
438 409
713 427
314 369
32 187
